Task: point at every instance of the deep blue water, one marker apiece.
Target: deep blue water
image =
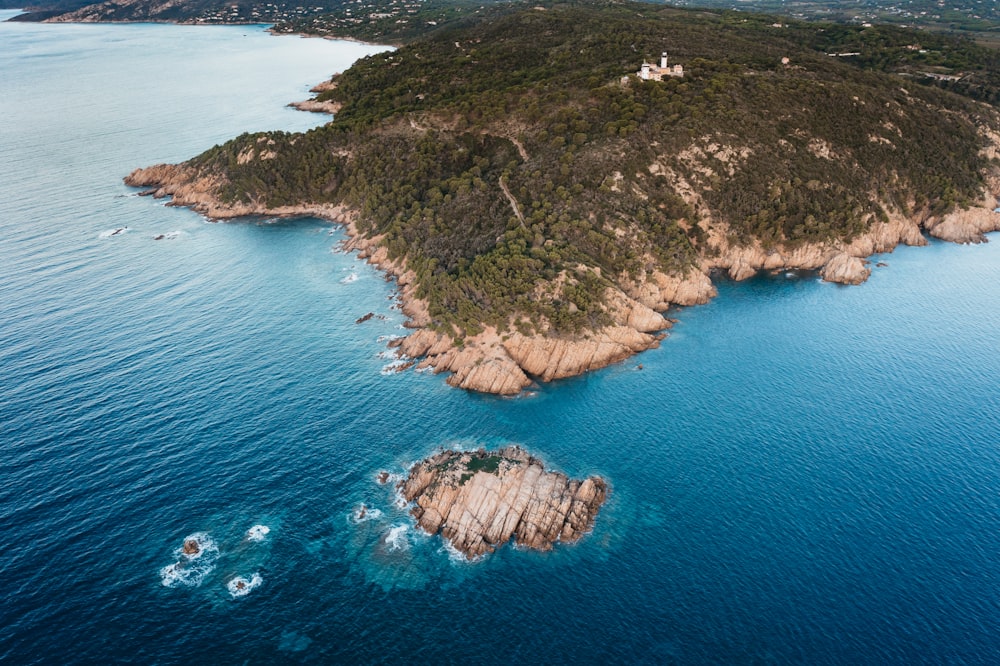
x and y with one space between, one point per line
802 473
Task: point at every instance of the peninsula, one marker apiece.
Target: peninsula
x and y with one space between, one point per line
542 207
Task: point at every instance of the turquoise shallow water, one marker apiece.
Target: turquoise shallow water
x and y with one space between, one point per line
802 473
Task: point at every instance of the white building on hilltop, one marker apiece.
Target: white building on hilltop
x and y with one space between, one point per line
649 72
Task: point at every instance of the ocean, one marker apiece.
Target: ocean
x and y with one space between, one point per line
801 473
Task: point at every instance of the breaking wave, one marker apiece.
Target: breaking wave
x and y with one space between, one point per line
258 533
191 568
398 365
240 586
455 556
396 539
365 513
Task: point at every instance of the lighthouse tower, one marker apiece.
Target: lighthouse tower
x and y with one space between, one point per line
650 72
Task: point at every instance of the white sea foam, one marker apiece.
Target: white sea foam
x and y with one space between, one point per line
398 365
191 569
396 539
258 533
240 586
113 232
455 556
365 513
206 547
383 339
173 575
352 277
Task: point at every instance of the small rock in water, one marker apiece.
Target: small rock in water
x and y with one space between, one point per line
398 366
479 500
361 320
239 586
382 477
191 547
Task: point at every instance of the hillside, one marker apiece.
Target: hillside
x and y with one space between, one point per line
541 212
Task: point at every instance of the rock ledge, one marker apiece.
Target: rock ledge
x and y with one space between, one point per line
479 500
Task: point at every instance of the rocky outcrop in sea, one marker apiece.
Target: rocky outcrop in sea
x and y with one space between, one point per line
480 500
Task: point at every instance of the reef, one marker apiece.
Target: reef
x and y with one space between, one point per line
480 500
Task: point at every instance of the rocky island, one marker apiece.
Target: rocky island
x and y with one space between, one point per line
480 500
542 208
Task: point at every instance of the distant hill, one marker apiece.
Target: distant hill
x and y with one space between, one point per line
955 15
186 11
974 17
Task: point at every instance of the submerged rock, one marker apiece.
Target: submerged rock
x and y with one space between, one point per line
479 500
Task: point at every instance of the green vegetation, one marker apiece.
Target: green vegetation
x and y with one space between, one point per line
502 156
977 17
488 463
481 462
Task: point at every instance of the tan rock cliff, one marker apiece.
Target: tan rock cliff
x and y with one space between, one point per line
505 364
845 269
966 226
743 262
314 106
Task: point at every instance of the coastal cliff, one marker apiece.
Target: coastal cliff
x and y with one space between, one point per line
508 363
487 362
540 221
480 500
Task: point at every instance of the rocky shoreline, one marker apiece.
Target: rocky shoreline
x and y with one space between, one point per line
480 500
508 363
